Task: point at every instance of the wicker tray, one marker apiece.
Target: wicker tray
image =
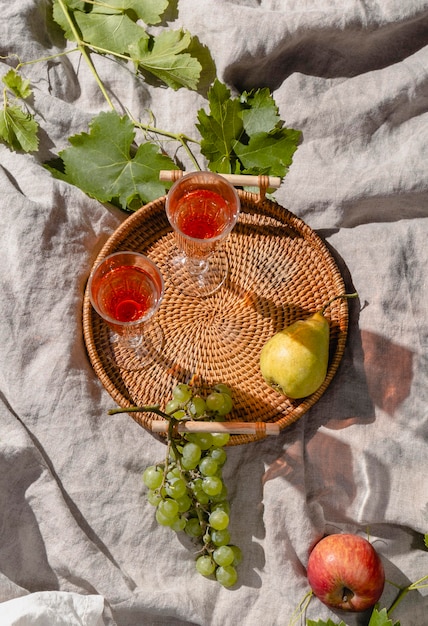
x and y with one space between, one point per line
280 271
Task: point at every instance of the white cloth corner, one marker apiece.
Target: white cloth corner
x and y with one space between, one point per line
53 608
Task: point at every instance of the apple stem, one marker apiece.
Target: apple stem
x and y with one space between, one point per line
342 295
347 594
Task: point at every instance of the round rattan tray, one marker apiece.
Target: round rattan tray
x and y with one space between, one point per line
279 271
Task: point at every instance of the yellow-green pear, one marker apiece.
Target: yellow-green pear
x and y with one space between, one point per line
294 361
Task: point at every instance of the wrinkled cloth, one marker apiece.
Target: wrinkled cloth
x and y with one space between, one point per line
352 75
56 608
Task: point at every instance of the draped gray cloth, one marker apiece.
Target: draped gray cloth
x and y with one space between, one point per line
79 543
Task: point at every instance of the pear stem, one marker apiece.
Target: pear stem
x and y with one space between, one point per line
342 295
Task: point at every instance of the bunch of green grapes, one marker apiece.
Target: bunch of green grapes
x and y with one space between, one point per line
188 490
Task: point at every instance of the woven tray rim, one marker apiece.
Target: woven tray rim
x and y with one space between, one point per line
250 202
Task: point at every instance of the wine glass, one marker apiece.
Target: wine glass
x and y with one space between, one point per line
202 208
126 290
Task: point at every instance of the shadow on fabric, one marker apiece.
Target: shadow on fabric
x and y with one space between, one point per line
331 53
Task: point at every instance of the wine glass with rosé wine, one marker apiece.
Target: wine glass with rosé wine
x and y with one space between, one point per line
202 208
126 290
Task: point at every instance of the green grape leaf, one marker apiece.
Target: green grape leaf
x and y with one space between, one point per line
19 86
426 540
18 129
220 129
245 135
269 153
262 115
60 17
111 32
150 11
171 56
321 622
380 618
101 163
165 57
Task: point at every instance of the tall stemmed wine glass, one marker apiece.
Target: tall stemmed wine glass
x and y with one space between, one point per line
202 208
126 290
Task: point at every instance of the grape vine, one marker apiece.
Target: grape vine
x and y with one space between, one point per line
239 135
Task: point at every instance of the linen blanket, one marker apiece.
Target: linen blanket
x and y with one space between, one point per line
79 543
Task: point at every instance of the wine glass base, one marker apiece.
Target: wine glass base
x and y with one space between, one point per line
198 282
134 356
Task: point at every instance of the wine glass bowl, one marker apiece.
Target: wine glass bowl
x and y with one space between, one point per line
126 290
202 208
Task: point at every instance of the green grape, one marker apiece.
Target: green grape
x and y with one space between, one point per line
226 576
173 473
191 452
224 555
222 506
205 565
164 520
197 406
188 464
152 477
212 485
208 466
193 527
168 508
199 493
182 393
171 406
220 439
184 503
215 402
219 455
196 484
238 555
179 524
222 496
222 388
227 404
220 403
154 497
176 488
218 519
220 537
203 440
179 415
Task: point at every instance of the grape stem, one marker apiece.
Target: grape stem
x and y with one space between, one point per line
153 408
149 408
82 47
181 138
422 583
339 297
301 608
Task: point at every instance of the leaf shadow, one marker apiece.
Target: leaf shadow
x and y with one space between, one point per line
389 371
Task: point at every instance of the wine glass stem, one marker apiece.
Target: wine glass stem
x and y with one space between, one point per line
197 267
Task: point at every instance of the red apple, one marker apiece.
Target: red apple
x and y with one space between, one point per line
345 572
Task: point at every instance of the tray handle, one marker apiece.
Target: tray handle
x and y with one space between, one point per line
237 180
234 428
